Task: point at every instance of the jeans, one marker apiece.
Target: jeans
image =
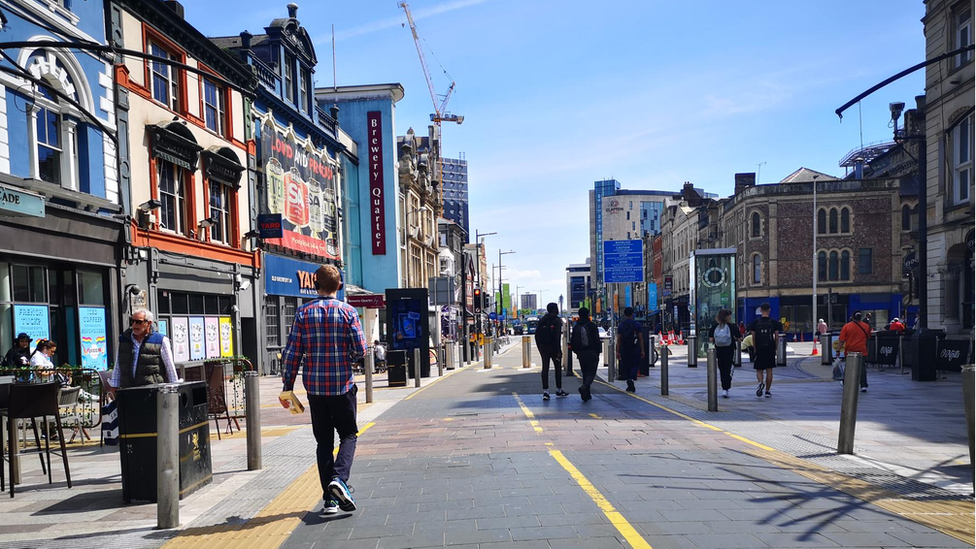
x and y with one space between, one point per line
551 355
331 414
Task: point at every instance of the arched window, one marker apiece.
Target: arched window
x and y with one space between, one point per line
845 265
822 265
833 265
906 218
48 127
833 221
845 220
822 221
756 269
756 225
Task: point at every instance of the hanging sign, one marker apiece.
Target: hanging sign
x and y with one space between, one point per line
377 213
91 328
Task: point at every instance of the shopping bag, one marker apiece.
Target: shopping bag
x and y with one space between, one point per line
110 423
838 371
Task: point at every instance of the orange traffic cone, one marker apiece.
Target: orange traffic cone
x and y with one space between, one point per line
681 338
815 351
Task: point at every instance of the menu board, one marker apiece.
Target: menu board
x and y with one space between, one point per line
94 347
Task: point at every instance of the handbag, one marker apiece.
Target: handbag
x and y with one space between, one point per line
110 423
838 370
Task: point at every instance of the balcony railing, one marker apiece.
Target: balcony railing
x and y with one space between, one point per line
266 74
326 122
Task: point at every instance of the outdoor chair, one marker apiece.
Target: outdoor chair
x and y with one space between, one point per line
32 401
217 400
68 410
107 393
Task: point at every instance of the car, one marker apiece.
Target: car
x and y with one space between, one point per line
603 333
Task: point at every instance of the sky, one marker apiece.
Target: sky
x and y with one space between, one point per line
557 94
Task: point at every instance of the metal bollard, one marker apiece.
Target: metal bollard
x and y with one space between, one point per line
567 355
664 369
848 406
168 457
416 367
252 399
692 352
450 350
611 362
737 356
781 350
901 355
441 359
369 363
652 356
487 353
526 343
711 364
826 350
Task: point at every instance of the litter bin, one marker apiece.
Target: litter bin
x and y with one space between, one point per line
925 354
396 368
137 433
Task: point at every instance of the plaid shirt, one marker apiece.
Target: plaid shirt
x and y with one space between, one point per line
328 335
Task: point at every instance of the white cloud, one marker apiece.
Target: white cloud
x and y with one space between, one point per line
399 21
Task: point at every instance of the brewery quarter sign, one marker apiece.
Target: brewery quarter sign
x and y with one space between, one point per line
377 214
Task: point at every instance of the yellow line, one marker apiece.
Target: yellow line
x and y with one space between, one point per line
594 416
616 519
154 435
271 526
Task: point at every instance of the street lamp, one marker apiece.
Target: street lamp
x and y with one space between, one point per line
540 304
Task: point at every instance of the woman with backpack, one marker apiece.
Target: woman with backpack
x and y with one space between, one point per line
724 335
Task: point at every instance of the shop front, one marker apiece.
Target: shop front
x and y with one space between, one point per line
288 283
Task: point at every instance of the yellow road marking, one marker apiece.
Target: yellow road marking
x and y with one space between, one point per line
594 416
528 413
616 519
271 526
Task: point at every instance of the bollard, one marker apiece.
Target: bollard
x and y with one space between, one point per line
441 359
664 369
737 357
848 406
901 353
652 356
968 380
826 350
692 352
781 350
168 457
252 400
487 353
567 354
369 363
451 349
416 367
711 364
611 362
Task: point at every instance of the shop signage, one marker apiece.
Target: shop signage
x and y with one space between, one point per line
91 329
300 185
953 353
289 277
668 286
614 207
18 202
226 337
367 301
910 265
212 325
377 212
651 297
270 226
181 339
32 320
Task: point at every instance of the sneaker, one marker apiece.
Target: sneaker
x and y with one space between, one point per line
760 389
725 393
631 387
545 395
561 393
769 395
340 492
331 507
864 389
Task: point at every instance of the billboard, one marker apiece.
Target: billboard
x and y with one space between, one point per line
300 184
712 289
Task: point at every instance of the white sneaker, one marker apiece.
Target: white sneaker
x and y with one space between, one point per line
725 393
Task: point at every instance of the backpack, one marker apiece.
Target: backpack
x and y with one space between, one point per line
581 338
764 334
723 336
629 342
546 334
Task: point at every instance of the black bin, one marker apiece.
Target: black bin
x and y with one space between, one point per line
137 433
926 354
396 368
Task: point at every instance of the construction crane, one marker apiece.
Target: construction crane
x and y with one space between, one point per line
440 110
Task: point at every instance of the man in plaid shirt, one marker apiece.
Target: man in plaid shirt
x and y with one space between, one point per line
328 335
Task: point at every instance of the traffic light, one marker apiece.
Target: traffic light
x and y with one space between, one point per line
477 300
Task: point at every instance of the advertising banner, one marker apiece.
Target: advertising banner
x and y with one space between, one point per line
198 350
212 325
300 185
32 320
377 209
651 297
226 337
94 347
713 288
289 277
181 339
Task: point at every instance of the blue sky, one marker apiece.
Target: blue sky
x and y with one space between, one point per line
558 94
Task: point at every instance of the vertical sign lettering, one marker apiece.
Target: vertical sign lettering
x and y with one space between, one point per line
377 215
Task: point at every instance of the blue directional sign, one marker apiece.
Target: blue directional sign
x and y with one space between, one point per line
493 316
623 261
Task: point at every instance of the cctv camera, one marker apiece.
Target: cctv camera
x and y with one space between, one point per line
896 108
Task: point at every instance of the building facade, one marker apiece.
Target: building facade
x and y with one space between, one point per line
454 172
579 286
419 206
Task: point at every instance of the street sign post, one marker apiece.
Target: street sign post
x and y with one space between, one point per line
623 261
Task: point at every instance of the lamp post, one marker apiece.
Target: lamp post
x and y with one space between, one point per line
501 295
477 265
541 301
813 319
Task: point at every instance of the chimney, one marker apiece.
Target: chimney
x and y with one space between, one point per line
743 181
334 111
176 7
246 40
859 168
292 10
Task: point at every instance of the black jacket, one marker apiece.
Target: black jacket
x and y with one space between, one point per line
592 336
17 357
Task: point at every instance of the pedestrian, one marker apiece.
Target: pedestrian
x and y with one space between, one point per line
765 332
587 346
379 353
724 335
548 339
896 325
19 355
742 327
821 328
854 339
630 348
143 356
327 334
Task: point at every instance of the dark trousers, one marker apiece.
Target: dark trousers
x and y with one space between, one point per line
550 356
331 414
588 362
723 355
629 365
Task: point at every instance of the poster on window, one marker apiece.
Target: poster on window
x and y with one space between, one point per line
713 289
300 184
33 320
94 347
198 350
226 337
212 325
181 339
162 326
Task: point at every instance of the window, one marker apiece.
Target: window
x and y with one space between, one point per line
962 160
172 194
756 225
628 216
165 80
756 269
845 265
834 266
220 212
906 218
288 76
845 220
864 261
822 266
822 221
833 221
213 106
48 125
963 36
271 319
29 283
305 91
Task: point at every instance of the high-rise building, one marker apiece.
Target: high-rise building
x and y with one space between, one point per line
455 178
530 301
578 286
